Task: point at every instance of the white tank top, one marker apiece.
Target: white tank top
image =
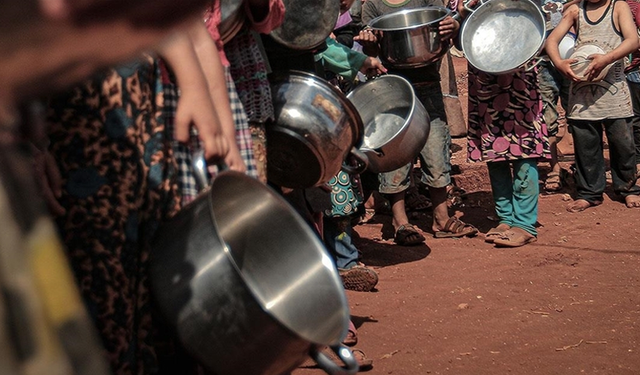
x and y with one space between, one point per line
608 98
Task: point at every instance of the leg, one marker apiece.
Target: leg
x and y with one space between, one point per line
337 238
550 85
525 195
623 164
502 190
590 168
394 184
435 163
634 88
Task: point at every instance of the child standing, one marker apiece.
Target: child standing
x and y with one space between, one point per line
507 130
594 104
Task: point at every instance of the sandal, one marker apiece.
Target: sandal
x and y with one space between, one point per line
414 201
456 228
553 182
408 235
495 233
352 335
515 237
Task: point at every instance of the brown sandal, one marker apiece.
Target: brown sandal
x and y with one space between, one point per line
515 237
455 228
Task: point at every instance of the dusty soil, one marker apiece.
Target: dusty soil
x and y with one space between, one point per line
567 304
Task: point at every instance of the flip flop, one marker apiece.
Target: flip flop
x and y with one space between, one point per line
515 237
495 233
455 228
553 182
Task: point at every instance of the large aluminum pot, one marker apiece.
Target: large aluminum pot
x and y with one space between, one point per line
410 38
502 36
396 123
247 285
315 129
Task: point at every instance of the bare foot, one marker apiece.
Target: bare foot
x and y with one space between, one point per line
632 201
580 205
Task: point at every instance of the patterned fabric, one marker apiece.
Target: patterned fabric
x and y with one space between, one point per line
505 117
111 146
345 195
243 134
249 71
186 179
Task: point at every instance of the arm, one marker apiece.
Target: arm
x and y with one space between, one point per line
209 60
194 105
346 62
569 17
624 20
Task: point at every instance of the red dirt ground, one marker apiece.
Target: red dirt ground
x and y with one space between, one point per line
567 304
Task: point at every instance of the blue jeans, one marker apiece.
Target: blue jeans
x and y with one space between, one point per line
337 239
516 195
590 164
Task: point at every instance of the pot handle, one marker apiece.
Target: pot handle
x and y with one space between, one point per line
330 367
362 162
199 164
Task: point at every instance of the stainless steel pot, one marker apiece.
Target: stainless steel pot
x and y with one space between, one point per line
315 129
396 124
410 38
246 283
502 36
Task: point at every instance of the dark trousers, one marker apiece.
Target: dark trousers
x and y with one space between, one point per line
590 164
634 88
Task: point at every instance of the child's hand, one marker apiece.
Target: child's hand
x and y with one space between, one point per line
564 67
372 67
366 36
448 27
598 62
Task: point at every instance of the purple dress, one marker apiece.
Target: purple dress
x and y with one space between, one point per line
505 117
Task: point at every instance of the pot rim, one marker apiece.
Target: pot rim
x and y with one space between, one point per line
408 11
352 111
407 120
248 285
474 62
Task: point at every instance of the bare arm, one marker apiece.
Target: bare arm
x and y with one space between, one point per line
195 105
209 60
569 18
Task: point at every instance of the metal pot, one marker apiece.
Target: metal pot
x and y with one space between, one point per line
410 38
315 129
502 36
396 123
247 285
306 24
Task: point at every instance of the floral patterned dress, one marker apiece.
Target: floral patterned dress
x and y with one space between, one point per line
109 141
505 117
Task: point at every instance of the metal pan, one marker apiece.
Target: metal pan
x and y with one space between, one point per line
502 36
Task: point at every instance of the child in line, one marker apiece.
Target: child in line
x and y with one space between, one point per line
595 103
507 130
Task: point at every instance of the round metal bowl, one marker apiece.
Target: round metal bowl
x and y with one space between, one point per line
502 36
410 38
